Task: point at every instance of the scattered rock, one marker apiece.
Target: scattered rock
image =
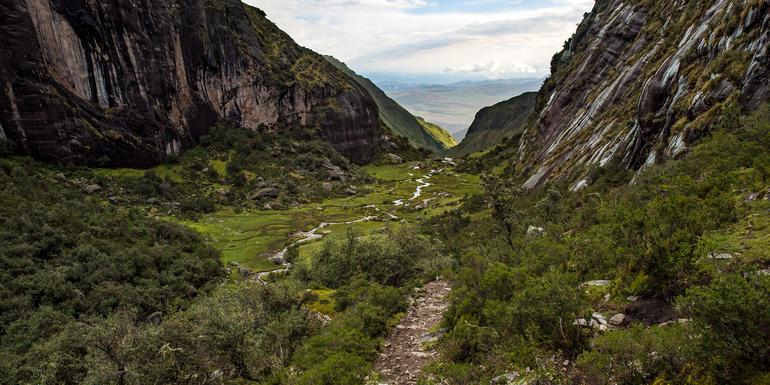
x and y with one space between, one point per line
580 322
505 379
351 190
152 201
267 206
617 319
92 188
60 176
632 298
278 260
599 318
114 200
723 256
394 159
327 186
533 231
597 282
336 174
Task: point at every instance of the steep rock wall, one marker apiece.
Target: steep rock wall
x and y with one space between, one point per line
128 83
641 81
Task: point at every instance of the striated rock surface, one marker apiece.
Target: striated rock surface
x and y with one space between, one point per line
639 82
128 83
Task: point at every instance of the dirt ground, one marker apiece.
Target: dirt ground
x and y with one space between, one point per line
404 354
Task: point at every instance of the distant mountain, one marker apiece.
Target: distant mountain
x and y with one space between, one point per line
419 133
454 106
460 135
493 123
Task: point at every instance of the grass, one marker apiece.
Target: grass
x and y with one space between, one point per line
251 237
172 172
324 303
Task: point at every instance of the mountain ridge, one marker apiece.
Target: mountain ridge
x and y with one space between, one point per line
131 85
494 123
397 118
638 84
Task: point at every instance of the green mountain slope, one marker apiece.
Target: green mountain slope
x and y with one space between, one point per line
398 119
437 132
493 123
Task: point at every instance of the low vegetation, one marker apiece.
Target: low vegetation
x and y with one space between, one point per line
674 245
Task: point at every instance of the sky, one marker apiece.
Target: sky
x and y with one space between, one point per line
432 39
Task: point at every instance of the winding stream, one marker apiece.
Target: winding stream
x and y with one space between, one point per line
307 236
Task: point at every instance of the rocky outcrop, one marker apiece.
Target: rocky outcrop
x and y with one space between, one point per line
641 81
132 82
494 123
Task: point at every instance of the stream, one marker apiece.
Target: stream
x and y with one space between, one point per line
307 236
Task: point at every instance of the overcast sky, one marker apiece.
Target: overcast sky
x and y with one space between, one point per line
464 38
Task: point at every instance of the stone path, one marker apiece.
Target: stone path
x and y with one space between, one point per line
403 355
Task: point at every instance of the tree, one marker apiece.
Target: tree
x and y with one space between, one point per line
502 197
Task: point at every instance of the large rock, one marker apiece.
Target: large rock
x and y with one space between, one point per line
267 192
394 159
617 319
628 94
130 83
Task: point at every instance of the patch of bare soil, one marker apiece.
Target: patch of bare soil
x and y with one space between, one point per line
404 353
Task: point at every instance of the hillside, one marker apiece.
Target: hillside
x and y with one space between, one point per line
493 123
441 135
398 119
453 106
121 84
639 83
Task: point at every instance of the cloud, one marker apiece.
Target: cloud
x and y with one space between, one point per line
493 68
432 36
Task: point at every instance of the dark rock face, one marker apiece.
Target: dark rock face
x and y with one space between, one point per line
639 83
131 82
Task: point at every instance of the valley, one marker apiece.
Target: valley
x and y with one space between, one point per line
399 194
189 196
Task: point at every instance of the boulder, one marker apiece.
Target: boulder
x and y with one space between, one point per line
278 260
617 319
599 318
394 159
152 201
327 186
114 200
267 192
533 231
335 173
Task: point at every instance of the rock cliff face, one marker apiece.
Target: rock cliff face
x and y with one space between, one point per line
398 119
128 83
641 81
493 123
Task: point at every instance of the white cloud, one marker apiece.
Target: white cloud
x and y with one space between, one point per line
421 37
493 68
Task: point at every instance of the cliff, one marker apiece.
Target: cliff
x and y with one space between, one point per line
493 123
398 119
130 83
640 82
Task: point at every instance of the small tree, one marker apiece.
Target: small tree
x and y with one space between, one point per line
502 197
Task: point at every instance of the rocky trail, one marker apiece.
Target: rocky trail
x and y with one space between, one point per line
407 350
